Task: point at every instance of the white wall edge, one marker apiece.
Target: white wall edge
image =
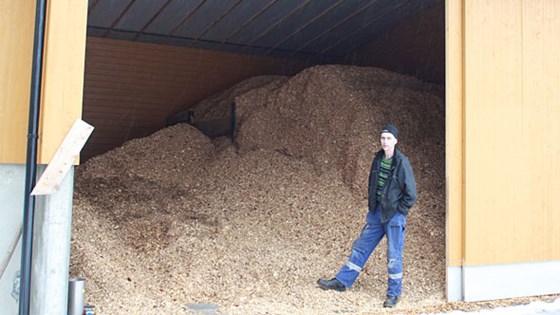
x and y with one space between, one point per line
12 187
512 280
454 288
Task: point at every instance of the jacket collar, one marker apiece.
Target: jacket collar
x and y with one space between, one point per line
396 154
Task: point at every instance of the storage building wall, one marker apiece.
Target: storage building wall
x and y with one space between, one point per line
61 104
131 87
502 79
16 31
506 213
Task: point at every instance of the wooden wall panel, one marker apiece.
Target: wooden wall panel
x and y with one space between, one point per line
454 134
131 87
63 74
16 52
540 127
512 72
493 113
63 66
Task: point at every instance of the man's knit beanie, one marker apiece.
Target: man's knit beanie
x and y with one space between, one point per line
390 128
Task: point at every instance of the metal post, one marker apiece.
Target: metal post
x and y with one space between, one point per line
31 163
76 288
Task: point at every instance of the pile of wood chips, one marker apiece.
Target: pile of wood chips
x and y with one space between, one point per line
177 218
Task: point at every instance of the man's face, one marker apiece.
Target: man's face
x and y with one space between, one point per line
388 141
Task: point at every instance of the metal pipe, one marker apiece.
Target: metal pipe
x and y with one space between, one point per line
76 289
31 162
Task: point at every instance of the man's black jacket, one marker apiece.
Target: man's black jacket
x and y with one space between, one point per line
399 191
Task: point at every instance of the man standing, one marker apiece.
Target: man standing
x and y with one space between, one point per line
392 191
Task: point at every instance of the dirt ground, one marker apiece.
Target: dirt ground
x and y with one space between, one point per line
178 218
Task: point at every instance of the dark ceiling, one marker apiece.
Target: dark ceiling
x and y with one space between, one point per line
325 30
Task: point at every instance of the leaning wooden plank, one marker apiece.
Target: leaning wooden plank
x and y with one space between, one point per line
63 158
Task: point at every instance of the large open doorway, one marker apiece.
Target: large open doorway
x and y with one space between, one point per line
248 219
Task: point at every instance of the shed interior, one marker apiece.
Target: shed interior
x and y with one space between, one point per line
168 219
147 60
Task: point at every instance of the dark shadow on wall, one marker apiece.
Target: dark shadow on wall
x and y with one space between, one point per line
415 47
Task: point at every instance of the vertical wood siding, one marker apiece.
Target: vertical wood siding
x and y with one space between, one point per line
454 132
512 147
63 74
16 51
63 71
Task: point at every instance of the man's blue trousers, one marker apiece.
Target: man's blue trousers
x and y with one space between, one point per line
362 248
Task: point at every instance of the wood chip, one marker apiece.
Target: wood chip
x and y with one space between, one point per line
176 218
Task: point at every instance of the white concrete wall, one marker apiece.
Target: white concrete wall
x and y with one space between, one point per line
51 243
11 209
51 250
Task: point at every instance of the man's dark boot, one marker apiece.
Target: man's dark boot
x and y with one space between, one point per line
391 301
332 284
